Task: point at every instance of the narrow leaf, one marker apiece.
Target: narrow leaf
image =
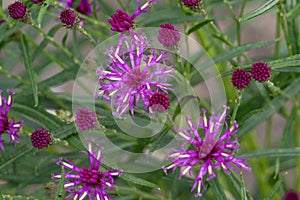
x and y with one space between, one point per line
29 68
265 7
279 152
293 13
276 186
139 181
217 188
198 26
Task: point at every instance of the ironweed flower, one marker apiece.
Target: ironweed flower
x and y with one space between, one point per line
168 36
121 21
85 119
133 74
84 7
37 1
194 5
17 10
40 138
10 127
211 148
69 18
88 181
260 71
159 102
291 195
240 78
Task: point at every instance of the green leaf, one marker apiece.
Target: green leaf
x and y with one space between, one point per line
65 131
198 26
217 188
43 10
28 64
293 13
276 186
240 49
270 108
264 8
38 114
138 181
44 43
279 152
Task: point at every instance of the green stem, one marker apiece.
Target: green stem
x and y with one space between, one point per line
268 133
54 43
236 106
297 140
87 35
284 28
277 44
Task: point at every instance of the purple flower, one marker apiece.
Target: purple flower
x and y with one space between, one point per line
121 21
159 102
37 1
194 5
40 138
291 195
88 181
260 71
84 7
6 126
85 119
211 148
69 18
240 78
17 10
168 36
134 73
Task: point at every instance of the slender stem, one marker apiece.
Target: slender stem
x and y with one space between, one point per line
50 39
187 67
277 44
284 28
268 133
87 35
297 139
222 35
236 106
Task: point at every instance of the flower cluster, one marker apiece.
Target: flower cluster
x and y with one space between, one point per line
194 5
10 127
88 181
69 18
133 74
40 138
18 11
168 36
121 21
211 148
260 72
85 119
84 7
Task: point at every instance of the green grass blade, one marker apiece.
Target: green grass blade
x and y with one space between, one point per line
60 191
264 8
28 65
278 152
43 10
217 188
138 181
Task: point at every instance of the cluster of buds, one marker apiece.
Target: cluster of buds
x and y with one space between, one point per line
260 72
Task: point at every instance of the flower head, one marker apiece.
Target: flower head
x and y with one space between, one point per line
159 102
240 78
133 74
168 36
40 138
88 181
85 119
69 18
37 1
121 21
8 126
260 71
291 195
17 10
84 7
211 148
194 5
